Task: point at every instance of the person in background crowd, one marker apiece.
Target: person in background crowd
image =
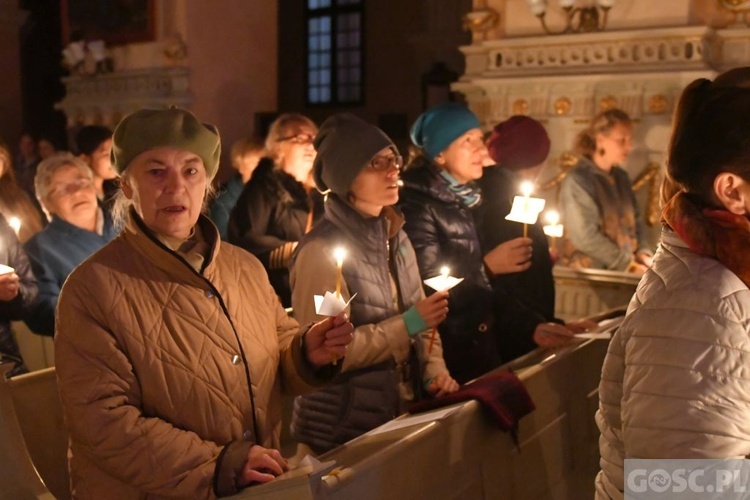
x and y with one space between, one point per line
673 383
359 166
603 228
437 197
519 147
171 348
78 227
26 161
94 145
246 154
15 202
45 146
279 204
17 292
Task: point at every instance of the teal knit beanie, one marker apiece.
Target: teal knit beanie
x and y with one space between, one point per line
439 126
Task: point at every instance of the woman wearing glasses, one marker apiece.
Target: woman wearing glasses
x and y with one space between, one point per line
279 204
358 165
78 227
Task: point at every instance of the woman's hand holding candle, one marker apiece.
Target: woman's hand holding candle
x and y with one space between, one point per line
328 339
9 286
433 309
510 256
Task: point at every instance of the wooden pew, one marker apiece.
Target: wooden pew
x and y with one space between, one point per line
582 293
37 406
464 457
19 479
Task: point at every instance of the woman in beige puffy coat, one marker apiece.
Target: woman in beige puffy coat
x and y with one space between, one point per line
674 382
171 346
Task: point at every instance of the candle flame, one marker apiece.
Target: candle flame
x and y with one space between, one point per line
15 223
527 188
553 217
445 271
339 254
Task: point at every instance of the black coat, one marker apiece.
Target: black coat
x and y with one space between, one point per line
525 299
13 255
272 211
442 232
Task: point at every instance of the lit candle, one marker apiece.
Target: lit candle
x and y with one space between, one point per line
526 189
15 223
445 272
553 229
339 254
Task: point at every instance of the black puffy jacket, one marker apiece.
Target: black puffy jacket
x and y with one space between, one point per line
13 255
272 212
442 232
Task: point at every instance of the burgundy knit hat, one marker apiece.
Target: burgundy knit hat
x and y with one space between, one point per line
519 142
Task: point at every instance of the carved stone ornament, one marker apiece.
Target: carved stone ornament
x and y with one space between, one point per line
657 104
562 106
520 107
607 102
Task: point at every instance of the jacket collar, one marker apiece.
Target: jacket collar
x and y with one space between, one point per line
371 231
145 241
424 177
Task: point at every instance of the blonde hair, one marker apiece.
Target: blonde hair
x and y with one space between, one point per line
602 123
245 147
279 129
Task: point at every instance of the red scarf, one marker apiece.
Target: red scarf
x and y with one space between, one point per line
713 233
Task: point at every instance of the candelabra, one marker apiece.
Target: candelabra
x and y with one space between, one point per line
592 17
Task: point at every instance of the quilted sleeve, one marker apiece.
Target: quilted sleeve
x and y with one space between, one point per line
101 399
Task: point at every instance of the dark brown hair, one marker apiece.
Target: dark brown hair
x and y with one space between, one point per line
602 123
711 132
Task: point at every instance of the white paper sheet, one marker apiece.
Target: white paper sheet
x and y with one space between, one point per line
525 210
330 304
442 283
6 269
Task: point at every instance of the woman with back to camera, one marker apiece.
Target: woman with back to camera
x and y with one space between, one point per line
603 228
674 382
389 359
171 348
438 195
279 204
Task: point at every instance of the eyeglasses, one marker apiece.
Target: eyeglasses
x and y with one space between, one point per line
69 189
383 163
298 139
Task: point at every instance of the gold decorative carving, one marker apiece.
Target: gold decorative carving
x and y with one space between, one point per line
520 107
481 22
562 106
658 104
607 102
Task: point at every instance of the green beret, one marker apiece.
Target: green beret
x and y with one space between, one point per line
148 129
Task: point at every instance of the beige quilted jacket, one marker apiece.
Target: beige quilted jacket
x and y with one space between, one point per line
154 360
676 380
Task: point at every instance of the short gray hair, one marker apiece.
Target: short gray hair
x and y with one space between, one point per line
48 167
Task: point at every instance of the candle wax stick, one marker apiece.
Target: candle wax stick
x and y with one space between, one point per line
525 230
432 339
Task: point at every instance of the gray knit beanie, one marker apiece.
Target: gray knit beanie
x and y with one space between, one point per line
345 143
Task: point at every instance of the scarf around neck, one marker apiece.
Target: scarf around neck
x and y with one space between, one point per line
470 194
710 232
